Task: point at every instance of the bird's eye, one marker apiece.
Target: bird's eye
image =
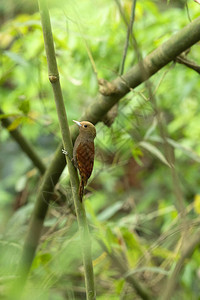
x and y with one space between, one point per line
85 126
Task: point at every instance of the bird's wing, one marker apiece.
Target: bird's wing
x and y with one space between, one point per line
85 159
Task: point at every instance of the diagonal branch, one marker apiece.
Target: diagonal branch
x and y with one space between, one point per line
24 144
152 63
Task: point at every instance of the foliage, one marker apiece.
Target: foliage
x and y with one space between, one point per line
131 200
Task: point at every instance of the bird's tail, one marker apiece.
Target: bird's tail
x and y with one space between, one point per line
81 189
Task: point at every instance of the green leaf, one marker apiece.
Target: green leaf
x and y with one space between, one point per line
41 259
188 151
151 129
15 123
164 253
130 239
21 183
119 284
110 211
155 151
45 258
24 106
16 58
5 116
137 153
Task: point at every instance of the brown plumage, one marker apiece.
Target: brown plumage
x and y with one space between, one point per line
83 152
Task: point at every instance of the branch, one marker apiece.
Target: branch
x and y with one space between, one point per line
197 1
190 246
181 41
24 144
129 30
27 148
152 63
188 63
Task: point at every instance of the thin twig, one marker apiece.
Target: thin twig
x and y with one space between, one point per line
188 12
24 144
188 63
129 30
121 12
86 44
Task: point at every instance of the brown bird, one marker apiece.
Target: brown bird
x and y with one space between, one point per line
83 152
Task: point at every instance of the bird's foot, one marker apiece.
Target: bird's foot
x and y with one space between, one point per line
67 154
64 152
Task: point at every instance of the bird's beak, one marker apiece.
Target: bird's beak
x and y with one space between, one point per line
78 123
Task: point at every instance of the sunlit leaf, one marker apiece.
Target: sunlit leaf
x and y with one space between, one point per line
5 116
164 253
15 123
197 203
119 284
137 154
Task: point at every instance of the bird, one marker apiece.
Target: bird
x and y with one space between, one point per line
84 152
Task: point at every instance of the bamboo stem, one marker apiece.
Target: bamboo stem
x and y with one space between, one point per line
67 142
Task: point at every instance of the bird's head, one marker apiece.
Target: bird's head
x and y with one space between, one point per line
86 129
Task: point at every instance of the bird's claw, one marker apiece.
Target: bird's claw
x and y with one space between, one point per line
67 154
64 152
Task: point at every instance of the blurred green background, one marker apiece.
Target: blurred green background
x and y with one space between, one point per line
131 197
